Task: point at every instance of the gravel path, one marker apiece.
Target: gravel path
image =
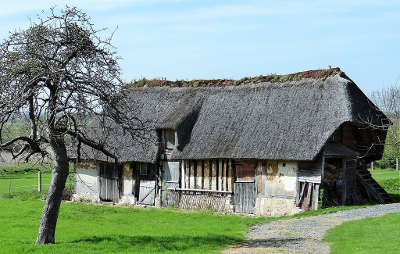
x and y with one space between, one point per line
303 235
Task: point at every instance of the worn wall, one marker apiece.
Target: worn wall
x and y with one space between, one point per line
86 182
276 183
127 196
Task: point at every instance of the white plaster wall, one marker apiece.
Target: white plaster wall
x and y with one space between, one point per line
279 190
86 182
283 182
127 185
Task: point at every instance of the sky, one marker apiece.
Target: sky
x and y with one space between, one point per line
204 39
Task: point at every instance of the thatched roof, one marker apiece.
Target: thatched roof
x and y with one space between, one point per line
287 117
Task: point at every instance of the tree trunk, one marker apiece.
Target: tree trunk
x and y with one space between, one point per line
51 209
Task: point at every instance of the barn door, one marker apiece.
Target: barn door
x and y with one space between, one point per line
244 196
147 186
171 181
245 187
109 183
147 192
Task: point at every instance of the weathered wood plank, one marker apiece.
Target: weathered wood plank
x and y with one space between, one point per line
309 196
223 175
210 174
229 176
202 174
195 175
214 175
316 196
302 186
259 178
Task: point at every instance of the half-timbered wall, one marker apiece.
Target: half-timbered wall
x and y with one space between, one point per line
215 175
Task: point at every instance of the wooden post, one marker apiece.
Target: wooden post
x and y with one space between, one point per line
344 194
39 181
397 164
372 166
9 187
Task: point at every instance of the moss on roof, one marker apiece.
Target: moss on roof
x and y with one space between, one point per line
272 78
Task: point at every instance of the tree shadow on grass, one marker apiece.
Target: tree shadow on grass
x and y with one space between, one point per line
158 244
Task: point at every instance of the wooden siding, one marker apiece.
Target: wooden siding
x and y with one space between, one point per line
213 175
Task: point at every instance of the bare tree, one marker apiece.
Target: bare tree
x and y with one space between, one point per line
388 100
59 73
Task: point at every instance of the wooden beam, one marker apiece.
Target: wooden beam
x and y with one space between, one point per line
230 178
344 194
195 175
217 176
302 185
222 174
309 196
189 174
226 174
316 196
210 174
202 174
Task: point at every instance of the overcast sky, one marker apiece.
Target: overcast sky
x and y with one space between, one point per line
207 39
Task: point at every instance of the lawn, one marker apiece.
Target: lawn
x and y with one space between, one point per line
101 229
23 177
373 235
389 180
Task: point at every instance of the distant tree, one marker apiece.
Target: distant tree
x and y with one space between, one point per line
388 100
58 73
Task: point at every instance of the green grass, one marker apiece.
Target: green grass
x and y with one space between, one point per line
373 235
389 180
23 178
100 229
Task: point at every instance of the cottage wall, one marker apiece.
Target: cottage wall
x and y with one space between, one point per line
127 191
86 182
276 188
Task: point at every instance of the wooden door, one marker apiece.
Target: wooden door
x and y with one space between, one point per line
147 192
147 183
244 196
109 181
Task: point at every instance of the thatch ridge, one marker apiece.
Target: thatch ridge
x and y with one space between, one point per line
272 78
